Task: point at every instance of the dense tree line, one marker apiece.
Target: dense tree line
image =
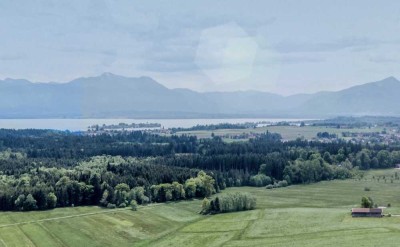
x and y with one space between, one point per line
102 180
64 145
122 195
42 169
216 127
326 135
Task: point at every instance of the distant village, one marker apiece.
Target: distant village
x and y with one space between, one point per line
124 127
384 137
355 134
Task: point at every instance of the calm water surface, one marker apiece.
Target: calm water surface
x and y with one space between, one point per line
82 124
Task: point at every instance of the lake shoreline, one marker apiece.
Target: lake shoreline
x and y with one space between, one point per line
82 124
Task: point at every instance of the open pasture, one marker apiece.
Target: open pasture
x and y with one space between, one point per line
301 215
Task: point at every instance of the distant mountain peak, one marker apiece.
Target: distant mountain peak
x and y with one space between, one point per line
390 79
110 95
108 74
16 81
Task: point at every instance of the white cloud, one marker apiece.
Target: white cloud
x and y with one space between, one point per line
226 53
204 45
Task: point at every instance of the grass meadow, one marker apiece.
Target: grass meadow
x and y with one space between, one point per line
301 215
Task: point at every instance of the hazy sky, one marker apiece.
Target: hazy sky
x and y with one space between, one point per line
280 46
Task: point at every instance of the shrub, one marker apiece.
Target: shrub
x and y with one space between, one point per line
287 179
111 205
145 200
283 183
134 205
122 205
367 189
366 202
389 205
260 180
269 187
205 206
51 200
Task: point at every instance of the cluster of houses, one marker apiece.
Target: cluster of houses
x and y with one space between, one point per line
241 136
385 138
94 130
390 137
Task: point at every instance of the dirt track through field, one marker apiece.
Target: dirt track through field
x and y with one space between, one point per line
72 216
2 242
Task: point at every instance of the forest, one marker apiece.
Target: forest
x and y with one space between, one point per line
44 169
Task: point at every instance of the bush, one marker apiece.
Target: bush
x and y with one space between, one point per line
283 183
389 205
111 205
367 202
145 200
122 205
287 179
51 200
205 206
134 205
260 180
367 189
269 187
280 184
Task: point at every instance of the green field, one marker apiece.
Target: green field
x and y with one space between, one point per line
287 132
301 215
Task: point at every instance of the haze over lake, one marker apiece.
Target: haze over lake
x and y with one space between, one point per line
82 124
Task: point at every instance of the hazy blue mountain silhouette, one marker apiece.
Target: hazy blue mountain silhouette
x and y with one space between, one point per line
110 95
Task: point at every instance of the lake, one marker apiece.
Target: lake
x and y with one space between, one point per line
82 124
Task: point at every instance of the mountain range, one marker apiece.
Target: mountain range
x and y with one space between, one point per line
113 96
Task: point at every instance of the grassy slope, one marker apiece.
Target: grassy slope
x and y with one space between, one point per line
303 215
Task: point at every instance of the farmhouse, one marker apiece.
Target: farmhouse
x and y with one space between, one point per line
366 212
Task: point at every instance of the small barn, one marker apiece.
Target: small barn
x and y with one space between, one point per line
366 212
